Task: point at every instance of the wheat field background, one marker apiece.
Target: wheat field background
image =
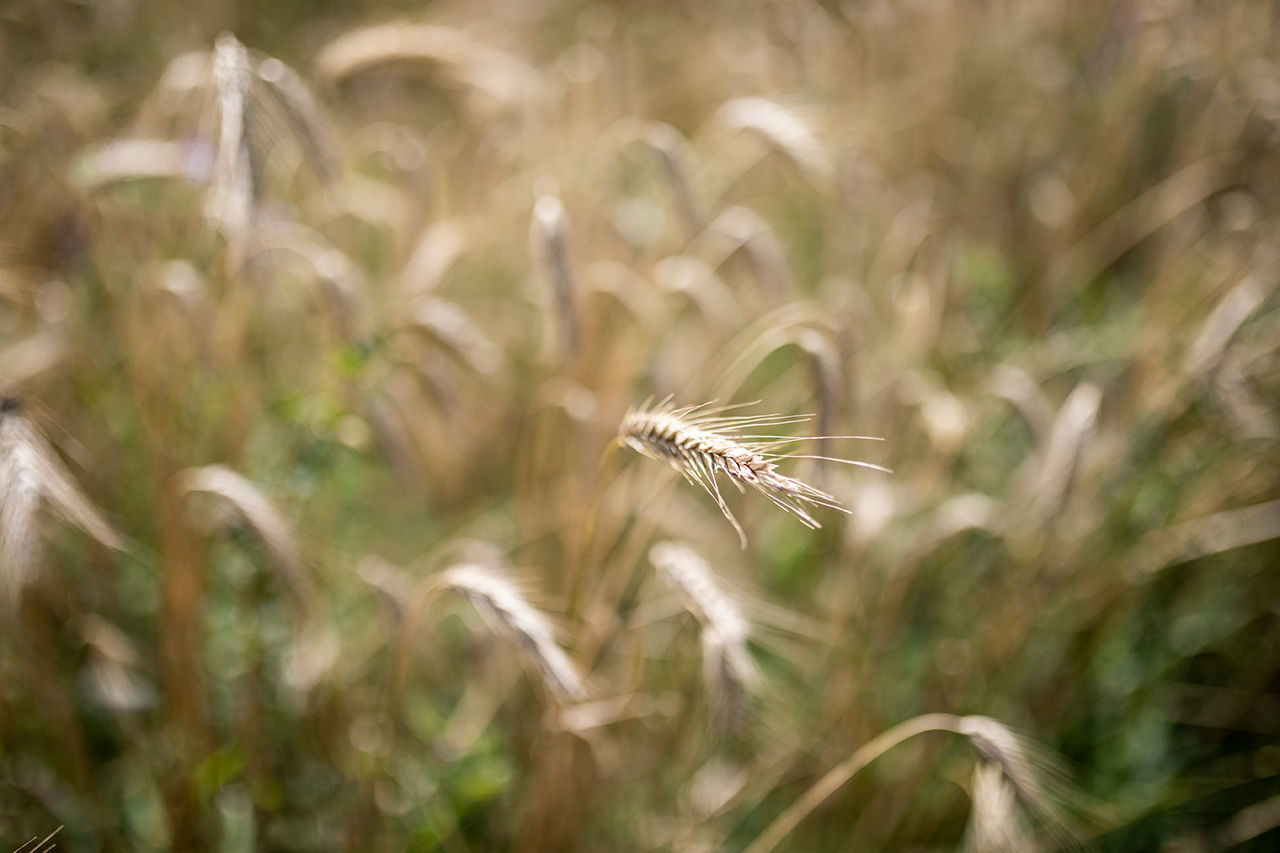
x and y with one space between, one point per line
334 338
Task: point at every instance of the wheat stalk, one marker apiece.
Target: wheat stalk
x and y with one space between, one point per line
702 443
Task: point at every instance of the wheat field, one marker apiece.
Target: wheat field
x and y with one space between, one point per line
675 426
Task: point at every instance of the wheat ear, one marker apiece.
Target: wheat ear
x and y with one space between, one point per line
726 659
260 515
702 443
500 604
1032 772
31 476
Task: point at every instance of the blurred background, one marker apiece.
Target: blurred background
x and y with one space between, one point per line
303 305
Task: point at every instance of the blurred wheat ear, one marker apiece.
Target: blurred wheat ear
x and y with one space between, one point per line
702 443
32 476
1029 772
549 242
730 673
260 515
504 609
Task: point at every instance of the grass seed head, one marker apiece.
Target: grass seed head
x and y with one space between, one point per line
260 515
727 665
703 443
508 614
31 477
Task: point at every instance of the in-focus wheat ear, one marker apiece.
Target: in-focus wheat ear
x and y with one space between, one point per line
701 442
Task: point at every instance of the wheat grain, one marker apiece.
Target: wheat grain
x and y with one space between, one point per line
702 443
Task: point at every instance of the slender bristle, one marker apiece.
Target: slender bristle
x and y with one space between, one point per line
701 444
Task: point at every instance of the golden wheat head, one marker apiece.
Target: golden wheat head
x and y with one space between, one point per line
702 443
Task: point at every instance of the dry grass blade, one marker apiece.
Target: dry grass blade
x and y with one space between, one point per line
702 443
392 585
678 161
726 658
701 285
828 372
258 513
500 603
1249 823
32 476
